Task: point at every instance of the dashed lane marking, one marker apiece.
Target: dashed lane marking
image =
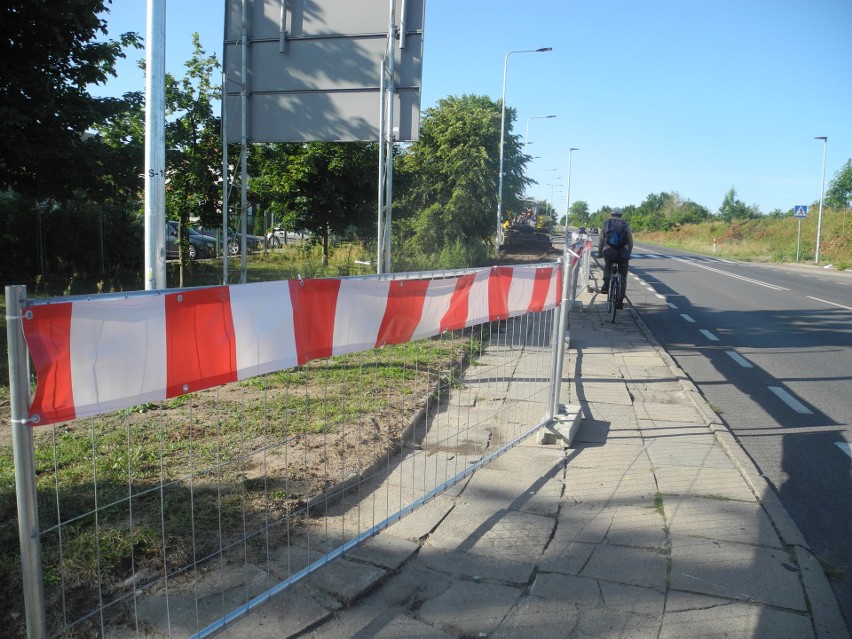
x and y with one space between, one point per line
791 401
846 448
687 318
671 306
739 359
848 308
708 335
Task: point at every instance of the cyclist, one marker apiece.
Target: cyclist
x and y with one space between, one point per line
615 244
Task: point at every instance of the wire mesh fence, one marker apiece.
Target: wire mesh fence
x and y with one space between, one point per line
173 517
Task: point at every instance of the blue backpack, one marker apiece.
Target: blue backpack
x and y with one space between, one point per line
616 234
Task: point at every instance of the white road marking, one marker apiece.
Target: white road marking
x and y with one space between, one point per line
848 308
846 448
708 335
734 275
671 306
658 296
655 256
739 359
687 318
791 401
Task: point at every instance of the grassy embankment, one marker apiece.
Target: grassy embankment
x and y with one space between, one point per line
766 239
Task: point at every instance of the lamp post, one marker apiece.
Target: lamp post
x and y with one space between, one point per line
527 134
552 186
821 194
502 139
568 196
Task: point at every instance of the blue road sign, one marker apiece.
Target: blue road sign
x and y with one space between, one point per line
800 211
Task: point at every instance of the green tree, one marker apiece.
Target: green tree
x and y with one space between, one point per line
193 146
449 175
579 215
324 187
51 54
839 193
735 209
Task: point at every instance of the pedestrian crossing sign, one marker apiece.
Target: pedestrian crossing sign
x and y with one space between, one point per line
800 211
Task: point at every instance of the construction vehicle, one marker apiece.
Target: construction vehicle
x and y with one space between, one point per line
527 230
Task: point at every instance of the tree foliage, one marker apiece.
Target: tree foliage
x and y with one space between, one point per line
839 193
579 214
193 141
450 175
323 187
51 54
733 208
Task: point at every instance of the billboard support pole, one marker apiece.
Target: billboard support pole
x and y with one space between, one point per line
380 222
391 89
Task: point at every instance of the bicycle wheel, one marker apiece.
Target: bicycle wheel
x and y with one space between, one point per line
610 300
615 295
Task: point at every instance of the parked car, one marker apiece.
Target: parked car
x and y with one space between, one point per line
278 236
200 246
253 242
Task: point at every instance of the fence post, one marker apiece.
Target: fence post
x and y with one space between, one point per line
24 456
560 323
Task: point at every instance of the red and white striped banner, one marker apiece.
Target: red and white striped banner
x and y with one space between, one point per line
98 355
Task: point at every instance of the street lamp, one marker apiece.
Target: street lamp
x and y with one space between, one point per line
527 134
502 137
568 197
821 193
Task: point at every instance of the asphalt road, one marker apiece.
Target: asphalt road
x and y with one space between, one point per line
770 347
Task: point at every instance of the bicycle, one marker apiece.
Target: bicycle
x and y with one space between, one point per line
614 293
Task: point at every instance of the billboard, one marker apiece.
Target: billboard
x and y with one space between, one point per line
313 69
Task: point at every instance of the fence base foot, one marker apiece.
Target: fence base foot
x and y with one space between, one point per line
562 427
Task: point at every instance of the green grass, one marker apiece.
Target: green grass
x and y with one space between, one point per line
766 239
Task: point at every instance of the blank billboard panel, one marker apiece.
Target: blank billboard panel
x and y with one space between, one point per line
321 81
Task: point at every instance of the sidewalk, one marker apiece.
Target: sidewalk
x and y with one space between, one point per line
653 524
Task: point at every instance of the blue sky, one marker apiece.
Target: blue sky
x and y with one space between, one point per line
692 96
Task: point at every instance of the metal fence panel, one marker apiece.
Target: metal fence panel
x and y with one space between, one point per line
174 517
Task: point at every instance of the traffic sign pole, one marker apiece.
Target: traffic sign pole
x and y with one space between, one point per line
800 212
798 239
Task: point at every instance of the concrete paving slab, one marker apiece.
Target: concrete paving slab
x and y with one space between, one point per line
443 558
608 622
736 571
347 580
703 482
534 618
682 412
472 609
737 521
648 602
625 525
689 615
384 551
621 564
521 536
614 392
565 556
671 451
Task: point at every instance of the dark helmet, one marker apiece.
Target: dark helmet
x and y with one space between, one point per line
617 212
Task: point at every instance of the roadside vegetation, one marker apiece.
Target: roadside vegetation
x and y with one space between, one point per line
770 239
